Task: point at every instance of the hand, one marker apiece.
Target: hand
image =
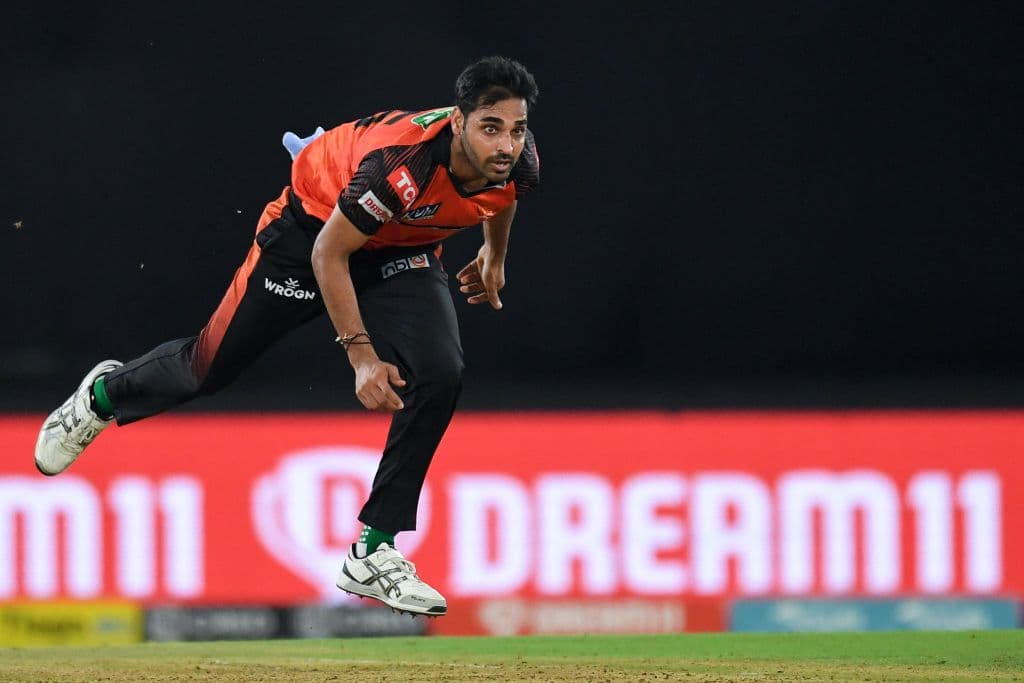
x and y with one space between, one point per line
483 278
374 378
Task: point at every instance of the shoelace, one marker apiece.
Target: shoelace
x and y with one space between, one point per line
68 418
408 567
72 423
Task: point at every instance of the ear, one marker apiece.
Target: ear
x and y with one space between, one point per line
458 121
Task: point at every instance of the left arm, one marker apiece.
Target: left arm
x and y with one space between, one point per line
484 276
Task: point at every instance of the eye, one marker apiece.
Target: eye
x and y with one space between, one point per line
490 130
518 132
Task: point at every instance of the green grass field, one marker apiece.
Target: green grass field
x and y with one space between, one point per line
967 656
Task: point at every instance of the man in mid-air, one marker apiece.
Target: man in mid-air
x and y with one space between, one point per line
357 233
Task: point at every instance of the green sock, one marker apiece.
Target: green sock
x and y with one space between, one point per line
100 401
370 539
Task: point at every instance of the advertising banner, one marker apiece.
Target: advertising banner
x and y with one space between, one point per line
65 622
259 509
567 616
263 622
911 614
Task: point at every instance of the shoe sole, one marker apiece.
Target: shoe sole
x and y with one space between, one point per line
353 587
39 441
44 472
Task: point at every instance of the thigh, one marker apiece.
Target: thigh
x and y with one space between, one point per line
273 292
411 318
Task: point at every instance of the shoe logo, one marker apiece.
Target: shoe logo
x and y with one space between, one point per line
69 420
290 289
305 511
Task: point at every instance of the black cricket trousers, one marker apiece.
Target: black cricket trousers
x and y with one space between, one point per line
407 308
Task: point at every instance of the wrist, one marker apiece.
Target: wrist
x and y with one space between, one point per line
360 354
358 346
493 252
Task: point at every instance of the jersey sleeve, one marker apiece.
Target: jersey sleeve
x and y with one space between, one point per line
526 174
369 200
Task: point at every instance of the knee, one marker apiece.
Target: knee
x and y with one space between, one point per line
212 381
211 384
442 375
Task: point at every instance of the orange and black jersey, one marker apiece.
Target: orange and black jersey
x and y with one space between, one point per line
388 173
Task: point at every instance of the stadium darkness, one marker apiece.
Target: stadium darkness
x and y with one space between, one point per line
810 207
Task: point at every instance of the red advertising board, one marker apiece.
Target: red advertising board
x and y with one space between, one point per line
640 508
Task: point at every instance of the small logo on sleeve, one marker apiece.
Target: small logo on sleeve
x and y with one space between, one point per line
403 264
405 187
372 204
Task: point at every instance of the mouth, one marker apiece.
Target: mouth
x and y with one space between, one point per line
502 165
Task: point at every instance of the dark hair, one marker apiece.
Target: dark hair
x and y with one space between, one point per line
491 80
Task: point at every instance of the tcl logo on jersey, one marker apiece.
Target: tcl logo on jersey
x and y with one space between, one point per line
405 187
421 212
372 204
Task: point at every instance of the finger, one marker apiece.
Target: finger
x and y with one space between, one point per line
469 268
367 400
470 279
478 299
390 400
492 295
394 376
471 288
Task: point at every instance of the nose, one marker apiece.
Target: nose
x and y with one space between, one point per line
505 144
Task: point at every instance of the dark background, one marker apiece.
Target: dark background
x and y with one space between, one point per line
784 205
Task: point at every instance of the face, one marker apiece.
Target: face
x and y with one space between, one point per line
492 137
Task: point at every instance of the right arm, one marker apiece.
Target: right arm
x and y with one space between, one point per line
338 240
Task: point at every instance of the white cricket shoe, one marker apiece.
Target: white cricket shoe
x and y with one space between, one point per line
387 576
72 427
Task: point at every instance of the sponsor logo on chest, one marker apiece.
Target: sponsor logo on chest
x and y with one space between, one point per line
404 186
421 213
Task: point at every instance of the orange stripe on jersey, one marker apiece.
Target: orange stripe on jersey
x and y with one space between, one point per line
272 211
213 333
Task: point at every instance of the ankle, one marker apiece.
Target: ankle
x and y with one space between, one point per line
370 539
99 401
